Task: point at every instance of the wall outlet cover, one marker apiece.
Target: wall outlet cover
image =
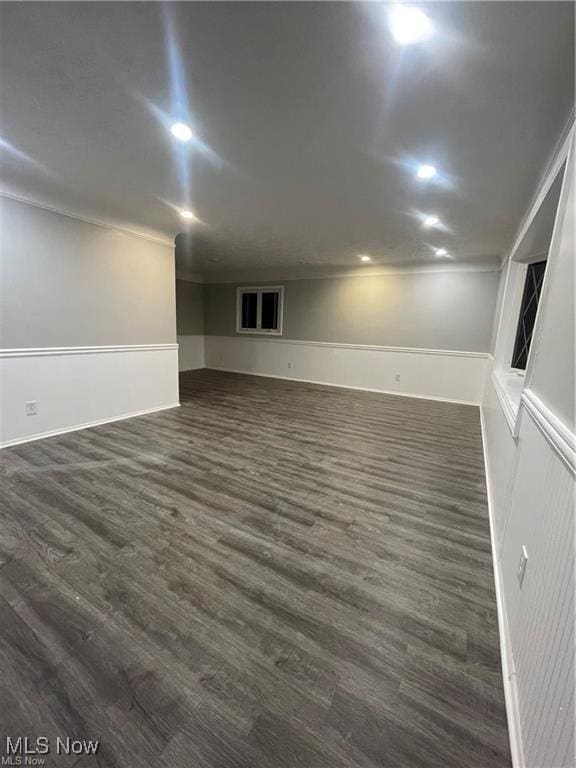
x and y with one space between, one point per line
31 407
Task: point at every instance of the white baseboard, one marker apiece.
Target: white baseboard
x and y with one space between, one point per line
506 657
344 386
87 425
444 375
78 387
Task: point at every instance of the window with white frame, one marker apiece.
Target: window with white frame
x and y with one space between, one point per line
259 310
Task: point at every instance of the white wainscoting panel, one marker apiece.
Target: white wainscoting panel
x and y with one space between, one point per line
532 495
436 374
76 387
501 458
190 352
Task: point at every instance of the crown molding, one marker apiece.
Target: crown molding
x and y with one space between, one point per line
86 220
190 277
289 274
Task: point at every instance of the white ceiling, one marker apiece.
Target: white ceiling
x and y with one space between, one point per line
311 122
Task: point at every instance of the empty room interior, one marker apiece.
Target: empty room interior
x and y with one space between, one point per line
287 384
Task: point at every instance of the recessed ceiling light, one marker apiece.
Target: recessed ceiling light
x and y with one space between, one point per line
181 131
441 252
426 172
409 24
187 215
365 257
431 221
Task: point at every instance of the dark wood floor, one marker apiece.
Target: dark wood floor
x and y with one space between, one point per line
275 575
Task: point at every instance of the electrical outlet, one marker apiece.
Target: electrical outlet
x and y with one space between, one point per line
397 377
31 408
289 365
522 565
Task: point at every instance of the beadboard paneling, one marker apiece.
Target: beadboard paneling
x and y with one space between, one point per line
541 613
532 504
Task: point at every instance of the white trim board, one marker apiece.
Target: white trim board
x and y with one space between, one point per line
344 345
561 439
506 657
51 351
87 425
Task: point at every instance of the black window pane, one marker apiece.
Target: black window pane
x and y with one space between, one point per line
249 309
528 309
270 311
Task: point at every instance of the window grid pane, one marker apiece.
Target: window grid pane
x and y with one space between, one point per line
249 310
269 319
529 307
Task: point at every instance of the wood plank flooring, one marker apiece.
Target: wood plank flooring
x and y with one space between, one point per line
274 575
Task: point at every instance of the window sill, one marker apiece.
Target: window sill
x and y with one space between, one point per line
256 332
509 386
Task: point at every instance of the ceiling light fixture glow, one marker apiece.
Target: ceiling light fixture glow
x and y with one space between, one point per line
431 221
187 215
441 252
181 131
408 24
426 172
365 257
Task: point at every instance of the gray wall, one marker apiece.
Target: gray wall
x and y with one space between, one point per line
66 282
434 310
189 308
